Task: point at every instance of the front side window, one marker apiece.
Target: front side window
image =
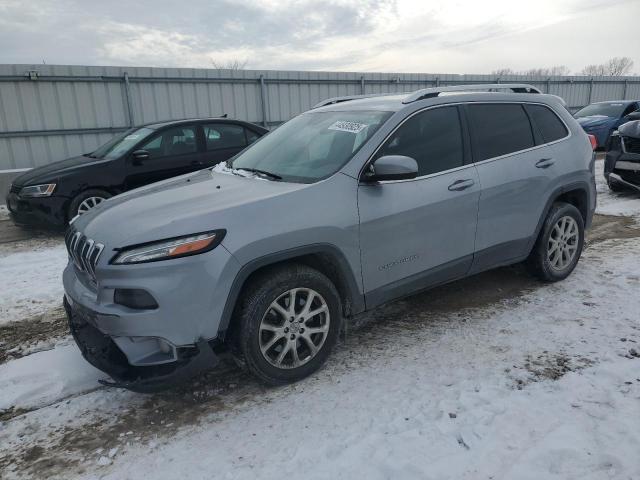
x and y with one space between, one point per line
219 136
172 142
499 129
549 125
312 146
121 144
432 138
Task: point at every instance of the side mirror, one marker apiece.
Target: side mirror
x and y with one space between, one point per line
140 156
391 167
633 116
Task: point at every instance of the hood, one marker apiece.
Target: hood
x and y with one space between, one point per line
51 171
630 129
184 205
595 120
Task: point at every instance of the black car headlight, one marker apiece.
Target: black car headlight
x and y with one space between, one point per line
44 190
170 248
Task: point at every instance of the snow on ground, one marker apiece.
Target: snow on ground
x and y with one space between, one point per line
30 282
26 384
497 376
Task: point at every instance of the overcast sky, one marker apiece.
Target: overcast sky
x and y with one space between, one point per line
349 35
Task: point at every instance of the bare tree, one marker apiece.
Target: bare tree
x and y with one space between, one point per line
229 64
503 71
616 67
540 72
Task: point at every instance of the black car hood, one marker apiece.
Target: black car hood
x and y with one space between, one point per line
51 171
630 129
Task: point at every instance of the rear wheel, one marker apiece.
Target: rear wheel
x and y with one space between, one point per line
559 244
288 322
85 201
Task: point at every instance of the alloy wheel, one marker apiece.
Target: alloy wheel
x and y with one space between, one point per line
563 243
294 328
88 203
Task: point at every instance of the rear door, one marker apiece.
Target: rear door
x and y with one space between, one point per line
172 151
416 233
224 140
516 177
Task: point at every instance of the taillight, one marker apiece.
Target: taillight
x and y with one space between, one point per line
594 142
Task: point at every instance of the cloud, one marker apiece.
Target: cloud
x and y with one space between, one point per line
387 35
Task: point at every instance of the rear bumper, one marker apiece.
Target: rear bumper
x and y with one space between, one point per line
623 168
47 212
102 351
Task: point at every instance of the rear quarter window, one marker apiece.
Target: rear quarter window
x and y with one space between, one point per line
551 128
499 129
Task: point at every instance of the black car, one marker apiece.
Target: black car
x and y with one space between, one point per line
622 162
53 194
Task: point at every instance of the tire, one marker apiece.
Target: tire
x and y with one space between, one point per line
85 197
258 323
543 261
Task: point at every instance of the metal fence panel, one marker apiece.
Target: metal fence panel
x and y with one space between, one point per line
67 110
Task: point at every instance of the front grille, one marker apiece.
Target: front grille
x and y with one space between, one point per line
631 144
84 251
15 188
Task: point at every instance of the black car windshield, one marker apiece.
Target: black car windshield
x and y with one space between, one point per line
121 144
311 146
605 109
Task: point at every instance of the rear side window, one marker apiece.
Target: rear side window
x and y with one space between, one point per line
499 129
547 122
224 135
172 142
432 138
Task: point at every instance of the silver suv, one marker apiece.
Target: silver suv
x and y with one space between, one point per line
355 203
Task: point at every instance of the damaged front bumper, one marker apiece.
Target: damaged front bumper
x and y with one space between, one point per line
103 352
622 161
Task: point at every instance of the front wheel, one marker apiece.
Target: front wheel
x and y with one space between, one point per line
85 201
559 244
288 322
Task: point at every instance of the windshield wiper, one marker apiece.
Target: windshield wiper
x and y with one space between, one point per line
261 172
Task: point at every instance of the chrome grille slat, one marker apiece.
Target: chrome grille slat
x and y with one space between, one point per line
84 252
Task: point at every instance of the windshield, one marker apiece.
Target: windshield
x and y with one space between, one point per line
121 144
311 146
606 109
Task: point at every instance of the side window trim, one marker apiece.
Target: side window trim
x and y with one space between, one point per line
500 157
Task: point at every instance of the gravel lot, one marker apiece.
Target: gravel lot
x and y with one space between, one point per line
496 376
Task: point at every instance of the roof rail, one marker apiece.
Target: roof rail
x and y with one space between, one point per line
346 98
435 91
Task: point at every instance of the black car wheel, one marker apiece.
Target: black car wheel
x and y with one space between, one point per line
85 201
287 323
559 244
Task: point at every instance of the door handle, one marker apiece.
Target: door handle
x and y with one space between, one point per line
545 163
461 185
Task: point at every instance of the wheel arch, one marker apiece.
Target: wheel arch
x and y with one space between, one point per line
576 194
325 258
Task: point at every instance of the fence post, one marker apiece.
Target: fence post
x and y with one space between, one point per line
590 90
437 82
127 99
263 102
624 91
362 85
549 85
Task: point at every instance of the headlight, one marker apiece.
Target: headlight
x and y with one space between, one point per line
44 190
170 248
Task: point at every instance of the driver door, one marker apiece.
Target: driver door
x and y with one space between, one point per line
420 232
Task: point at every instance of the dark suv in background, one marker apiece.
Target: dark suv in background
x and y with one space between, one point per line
53 194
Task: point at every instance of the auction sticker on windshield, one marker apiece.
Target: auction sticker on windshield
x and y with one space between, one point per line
344 126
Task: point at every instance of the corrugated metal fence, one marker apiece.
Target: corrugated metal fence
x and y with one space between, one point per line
49 112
